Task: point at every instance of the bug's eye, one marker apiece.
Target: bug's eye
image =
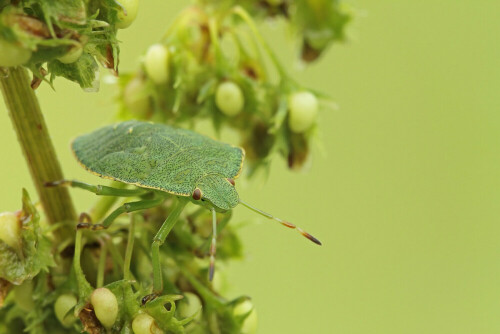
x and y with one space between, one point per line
231 181
197 194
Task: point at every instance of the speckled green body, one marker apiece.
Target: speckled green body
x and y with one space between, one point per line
157 156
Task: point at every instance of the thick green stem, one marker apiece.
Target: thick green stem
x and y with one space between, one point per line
29 124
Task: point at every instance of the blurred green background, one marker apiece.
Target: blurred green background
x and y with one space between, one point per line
405 199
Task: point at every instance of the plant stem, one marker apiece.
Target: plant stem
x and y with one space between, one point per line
101 266
130 248
29 124
242 13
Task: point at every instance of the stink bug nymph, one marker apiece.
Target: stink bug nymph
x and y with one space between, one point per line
161 160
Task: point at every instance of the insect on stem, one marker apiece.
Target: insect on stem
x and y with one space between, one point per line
282 222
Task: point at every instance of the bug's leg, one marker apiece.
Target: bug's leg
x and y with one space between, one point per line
99 189
283 222
159 239
125 208
213 245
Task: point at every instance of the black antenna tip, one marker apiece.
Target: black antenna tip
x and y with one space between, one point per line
316 241
310 237
211 272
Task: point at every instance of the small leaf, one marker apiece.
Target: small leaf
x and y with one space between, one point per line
82 71
35 252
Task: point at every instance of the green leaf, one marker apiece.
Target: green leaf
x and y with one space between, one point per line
35 254
60 13
82 71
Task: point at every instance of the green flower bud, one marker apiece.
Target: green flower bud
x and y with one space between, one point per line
105 306
127 13
156 63
73 54
250 323
24 296
63 305
10 229
303 108
12 54
189 305
229 98
136 98
145 324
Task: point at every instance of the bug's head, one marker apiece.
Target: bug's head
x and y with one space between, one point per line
216 191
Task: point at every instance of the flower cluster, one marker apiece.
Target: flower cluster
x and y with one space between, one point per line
211 64
66 38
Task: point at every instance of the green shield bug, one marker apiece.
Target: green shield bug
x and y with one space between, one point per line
162 160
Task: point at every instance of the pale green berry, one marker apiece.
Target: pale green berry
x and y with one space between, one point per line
189 305
229 98
105 306
63 305
127 13
303 107
156 63
250 323
10 230
73 54
136 98
12 54
24 296
275 2
145 324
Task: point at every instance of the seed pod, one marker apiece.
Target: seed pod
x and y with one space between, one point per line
250 323
145 324
73 54
303 108
10 230
105 306
127 13
229 98
136 99
189 305
24 296
62 306
13 54
156 63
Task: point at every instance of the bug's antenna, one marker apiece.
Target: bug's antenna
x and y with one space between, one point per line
282 222
213 245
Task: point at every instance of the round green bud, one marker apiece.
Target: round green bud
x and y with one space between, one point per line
250 323
229 98
24 296
156 63
303 107
12 54
73 54
275 2
136 99
105 306
189 305
145 324
127 13
10 229
63 305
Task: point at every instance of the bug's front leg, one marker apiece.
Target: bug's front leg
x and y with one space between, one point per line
125 208
99 189
158 240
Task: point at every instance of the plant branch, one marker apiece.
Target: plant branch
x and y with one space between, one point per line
29 124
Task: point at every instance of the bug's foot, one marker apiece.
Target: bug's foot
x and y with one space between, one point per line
146 299
84 221
90 226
